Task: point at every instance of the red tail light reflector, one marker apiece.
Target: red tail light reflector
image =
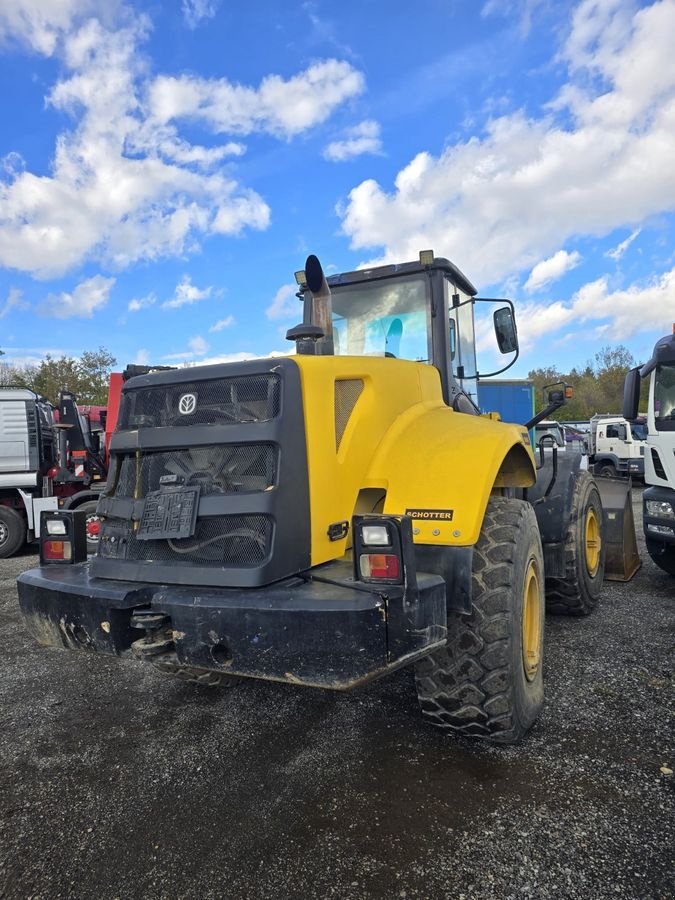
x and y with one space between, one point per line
380 565
62 550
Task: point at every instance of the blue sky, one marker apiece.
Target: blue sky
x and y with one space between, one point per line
165 167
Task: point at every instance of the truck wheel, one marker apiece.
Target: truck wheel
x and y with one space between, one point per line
12 531
606 470
576 594
662 554
487 682
93 525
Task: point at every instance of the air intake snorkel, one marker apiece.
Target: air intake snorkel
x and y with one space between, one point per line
315 335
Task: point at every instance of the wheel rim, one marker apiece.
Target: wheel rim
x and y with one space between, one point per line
4 533
532 606
93 528
592 542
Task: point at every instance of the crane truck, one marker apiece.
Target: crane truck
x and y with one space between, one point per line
48 458
325 518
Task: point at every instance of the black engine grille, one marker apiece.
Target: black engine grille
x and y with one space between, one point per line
231 541
218 402
217 469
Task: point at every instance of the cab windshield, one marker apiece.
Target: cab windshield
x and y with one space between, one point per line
664 398
383 318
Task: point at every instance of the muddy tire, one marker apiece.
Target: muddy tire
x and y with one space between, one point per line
487 682
12 532
93 525
662 554
577 593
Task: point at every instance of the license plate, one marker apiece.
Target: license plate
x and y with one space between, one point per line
169 514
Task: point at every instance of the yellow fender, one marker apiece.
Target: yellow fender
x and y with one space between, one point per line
440 467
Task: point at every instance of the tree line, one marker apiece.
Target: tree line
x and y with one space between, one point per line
598 386
86 376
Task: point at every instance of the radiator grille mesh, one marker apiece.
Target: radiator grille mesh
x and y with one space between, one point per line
217 469
347 393
218 402
232 541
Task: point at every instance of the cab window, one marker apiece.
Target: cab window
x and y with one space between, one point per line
387 318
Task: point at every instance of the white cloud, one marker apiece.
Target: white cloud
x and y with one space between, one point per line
14 301
222 324
197 346
41 23
551 269
278 107
617 252
142 357
362 138
195 11
502 202
90 295
187 293
140 303
124 184
616 315
285 304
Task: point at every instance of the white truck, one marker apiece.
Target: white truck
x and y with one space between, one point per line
47 461
27 452
616 447
658 500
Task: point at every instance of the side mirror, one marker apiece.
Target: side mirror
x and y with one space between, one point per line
505 330
631 394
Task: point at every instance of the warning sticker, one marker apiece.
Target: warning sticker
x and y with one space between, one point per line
431 515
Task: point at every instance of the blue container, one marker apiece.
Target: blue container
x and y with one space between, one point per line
513 400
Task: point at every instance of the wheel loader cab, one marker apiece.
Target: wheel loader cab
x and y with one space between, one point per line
421 311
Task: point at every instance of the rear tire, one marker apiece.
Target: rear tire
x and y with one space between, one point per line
577 593
487 682
13 531
662 554
606 470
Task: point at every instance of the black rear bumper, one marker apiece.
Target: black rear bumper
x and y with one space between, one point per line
329 633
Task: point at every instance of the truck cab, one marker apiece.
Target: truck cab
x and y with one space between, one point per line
616 446
659 468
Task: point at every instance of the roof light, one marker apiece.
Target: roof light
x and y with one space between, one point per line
427 257
300 277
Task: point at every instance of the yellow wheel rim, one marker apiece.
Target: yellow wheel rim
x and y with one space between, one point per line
532 607
592 542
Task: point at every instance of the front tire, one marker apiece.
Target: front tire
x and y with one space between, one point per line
487 682
577 592
13 532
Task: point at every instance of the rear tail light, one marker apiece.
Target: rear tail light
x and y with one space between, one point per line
63 537
383 549
380 566
57 551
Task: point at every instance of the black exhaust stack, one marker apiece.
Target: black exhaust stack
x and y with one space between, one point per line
315 335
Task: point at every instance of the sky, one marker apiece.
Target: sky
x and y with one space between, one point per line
165 167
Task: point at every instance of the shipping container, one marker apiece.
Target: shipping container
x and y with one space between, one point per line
513 400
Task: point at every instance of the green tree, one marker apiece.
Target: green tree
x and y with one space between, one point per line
87 377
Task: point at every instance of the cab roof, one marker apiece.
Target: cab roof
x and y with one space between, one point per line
409 268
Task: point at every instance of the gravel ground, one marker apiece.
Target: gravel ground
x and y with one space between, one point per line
117 782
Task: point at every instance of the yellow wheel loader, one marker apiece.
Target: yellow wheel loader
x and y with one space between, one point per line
326 518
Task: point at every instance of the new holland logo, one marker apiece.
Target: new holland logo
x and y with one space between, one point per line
187 404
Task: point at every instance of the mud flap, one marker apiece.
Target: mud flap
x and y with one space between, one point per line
622 559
